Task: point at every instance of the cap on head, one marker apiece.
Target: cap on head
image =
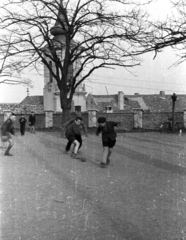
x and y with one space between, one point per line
78 118
101 120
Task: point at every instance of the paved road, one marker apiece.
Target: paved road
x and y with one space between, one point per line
46 195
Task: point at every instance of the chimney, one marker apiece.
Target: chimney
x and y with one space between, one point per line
121 100
162 94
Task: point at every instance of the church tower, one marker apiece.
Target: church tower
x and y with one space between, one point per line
51 91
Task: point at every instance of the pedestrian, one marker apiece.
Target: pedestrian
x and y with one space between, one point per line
108 138
22 122
73 135
6 130
32 121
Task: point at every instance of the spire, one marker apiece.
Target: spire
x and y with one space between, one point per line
58 28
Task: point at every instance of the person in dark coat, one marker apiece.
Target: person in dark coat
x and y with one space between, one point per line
108 138
78 137
6 130
73 135
32 121
22 122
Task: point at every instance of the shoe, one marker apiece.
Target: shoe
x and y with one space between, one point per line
8 154
103 165
73 155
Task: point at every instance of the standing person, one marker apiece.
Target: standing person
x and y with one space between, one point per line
32 121
73 135
78 137
6 130
22 122
108 138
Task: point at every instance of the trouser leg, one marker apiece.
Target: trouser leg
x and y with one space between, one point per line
67 148
11 143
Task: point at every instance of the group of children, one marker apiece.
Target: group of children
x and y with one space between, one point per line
73 135
73 130
31 120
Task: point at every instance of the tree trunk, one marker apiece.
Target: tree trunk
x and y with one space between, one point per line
65 116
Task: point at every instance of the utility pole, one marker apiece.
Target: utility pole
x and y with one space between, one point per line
174 97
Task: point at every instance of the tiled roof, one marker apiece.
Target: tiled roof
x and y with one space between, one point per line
103 101
151 102
158 104
32 100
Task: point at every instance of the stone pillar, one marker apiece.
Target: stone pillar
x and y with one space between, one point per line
184 117
120 100
138 117
92 118
48 119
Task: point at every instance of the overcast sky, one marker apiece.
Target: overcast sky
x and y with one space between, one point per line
151 77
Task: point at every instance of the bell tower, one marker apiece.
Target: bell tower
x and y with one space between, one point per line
51 91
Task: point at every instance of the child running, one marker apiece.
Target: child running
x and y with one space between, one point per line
108 138
73 135
6 130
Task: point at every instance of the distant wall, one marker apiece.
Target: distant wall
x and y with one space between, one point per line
150 120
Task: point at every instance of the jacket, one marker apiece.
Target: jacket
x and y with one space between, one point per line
73 130
108 131
7 127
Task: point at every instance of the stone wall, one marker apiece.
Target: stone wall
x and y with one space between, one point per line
150 120
154 120
126 119
40 121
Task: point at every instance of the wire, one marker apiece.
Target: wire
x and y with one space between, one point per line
137 80
133 86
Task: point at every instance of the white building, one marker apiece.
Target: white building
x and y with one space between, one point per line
51 90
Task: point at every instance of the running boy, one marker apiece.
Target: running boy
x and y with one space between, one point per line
73 135
6 130
108 138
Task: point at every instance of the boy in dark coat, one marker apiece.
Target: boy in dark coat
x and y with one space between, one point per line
78 137
73 135
108 138
32 121
6 130
22 122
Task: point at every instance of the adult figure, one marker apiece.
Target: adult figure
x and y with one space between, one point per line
6 130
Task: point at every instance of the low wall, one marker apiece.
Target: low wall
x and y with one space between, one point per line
126 119
150 120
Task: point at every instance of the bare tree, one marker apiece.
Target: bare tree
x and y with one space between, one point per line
170 32
9 69
88 34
